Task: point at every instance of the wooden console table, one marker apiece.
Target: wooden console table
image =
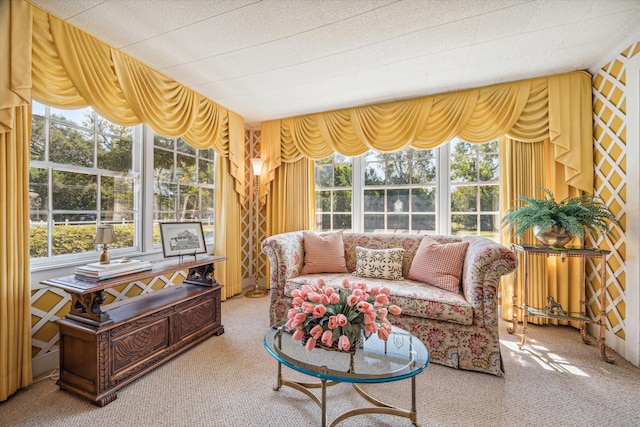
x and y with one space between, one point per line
581 317
104 348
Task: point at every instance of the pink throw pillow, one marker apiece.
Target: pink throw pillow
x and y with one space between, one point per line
323 253
439 264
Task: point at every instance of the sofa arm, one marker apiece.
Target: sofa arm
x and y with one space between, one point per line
286 257
485 262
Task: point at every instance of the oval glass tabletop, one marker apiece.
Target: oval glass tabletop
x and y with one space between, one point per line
401 356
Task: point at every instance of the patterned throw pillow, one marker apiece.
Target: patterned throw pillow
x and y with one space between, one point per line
379 263
439 264
323 253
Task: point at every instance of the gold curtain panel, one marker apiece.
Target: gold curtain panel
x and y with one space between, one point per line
15 125
15 60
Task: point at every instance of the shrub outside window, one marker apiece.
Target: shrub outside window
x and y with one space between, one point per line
399 192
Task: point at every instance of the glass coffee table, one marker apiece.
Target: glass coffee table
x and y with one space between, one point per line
402 356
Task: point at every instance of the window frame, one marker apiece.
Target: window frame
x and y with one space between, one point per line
175 152
133 173
478 184
409 211
443 186
142 171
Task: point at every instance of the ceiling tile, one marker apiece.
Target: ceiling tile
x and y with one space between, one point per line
65 9
554 13
141 20
514 19
534 42
492 51
598 30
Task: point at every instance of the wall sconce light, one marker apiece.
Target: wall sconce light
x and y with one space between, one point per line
104 236
257 291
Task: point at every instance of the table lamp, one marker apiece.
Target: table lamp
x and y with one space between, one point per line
104 236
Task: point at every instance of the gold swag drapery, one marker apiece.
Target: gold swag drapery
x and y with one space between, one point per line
72 69
15 137
556 109
527 111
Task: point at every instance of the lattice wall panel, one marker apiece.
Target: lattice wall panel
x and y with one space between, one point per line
50 304
609 132
249 265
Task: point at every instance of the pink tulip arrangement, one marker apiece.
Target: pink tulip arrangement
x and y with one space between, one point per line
339 315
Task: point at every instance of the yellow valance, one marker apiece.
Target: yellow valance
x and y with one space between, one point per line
15 60
72 69
555 107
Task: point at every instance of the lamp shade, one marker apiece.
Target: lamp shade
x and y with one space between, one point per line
256 164
104 235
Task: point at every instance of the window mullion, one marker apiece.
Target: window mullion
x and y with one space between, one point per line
143 200
357 194
443 186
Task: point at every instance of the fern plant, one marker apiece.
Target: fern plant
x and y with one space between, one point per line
577 215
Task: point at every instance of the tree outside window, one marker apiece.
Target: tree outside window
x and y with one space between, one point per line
475 189
183 187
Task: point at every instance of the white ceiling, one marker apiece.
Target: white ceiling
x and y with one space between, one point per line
272 59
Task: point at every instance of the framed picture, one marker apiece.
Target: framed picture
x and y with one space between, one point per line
182 238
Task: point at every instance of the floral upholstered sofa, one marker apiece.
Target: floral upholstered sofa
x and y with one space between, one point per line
458 326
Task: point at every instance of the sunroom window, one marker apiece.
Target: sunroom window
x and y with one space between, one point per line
183 185
453 189
475 189
82 173
85 171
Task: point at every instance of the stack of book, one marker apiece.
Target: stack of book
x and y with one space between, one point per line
96 271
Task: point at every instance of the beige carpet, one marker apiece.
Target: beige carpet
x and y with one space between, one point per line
228 381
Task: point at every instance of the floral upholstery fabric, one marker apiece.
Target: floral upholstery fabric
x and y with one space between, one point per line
415 298
460 330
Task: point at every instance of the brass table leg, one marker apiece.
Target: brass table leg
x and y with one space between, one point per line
279 384
525 302
583 302
324 403
583 254
603 309
514 305
379 408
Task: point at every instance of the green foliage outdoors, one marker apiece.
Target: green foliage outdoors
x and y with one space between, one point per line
72 143
72 239
474 176
577 215
474 163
